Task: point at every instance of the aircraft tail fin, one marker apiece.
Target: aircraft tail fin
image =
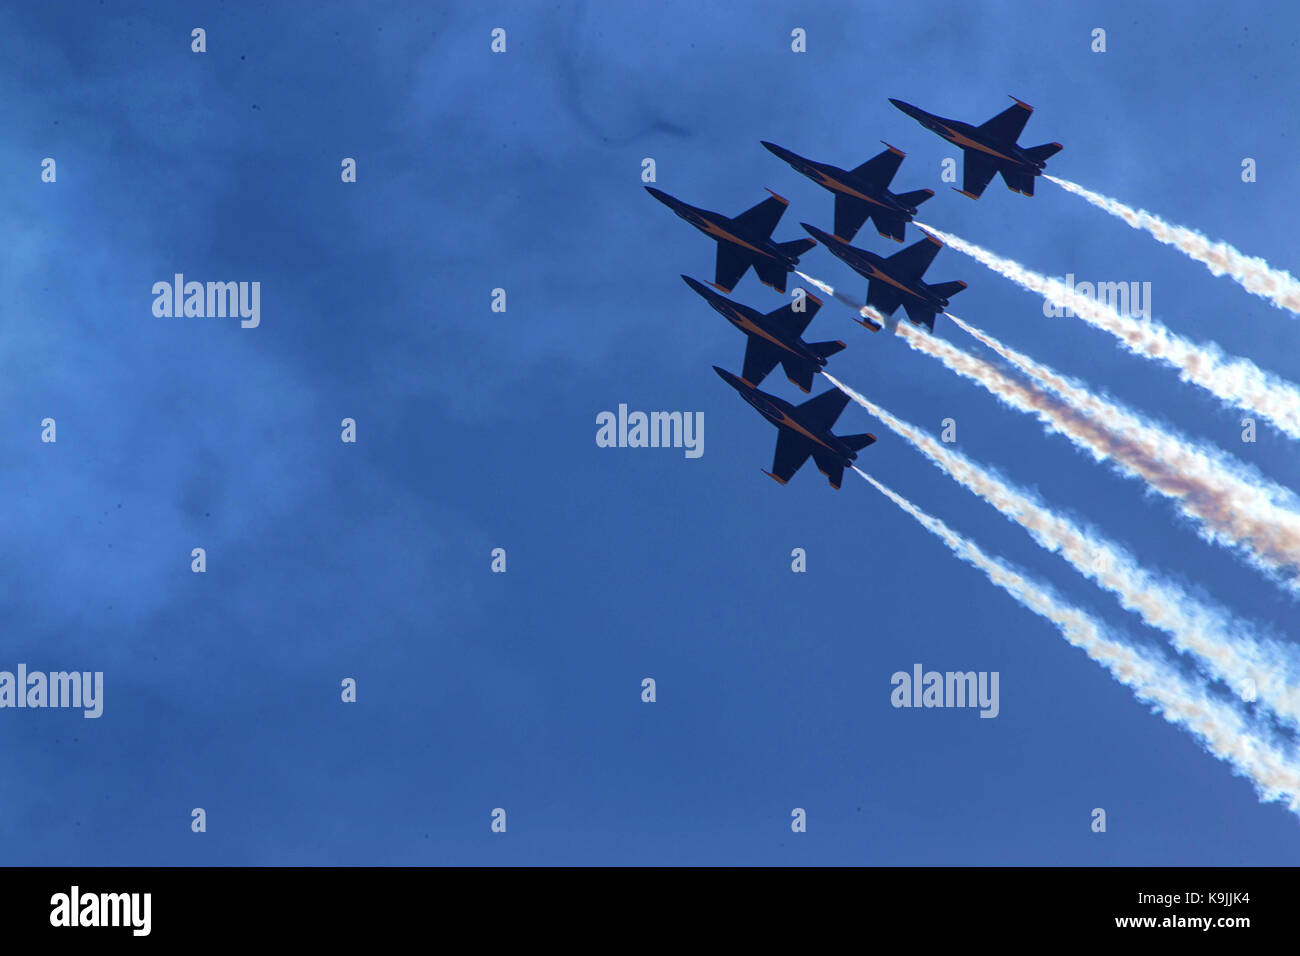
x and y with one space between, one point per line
800 373
858 442
1019 182
826 349
831 466
1043 153
946 290
796 247
771 272
890 227
921 313
916 197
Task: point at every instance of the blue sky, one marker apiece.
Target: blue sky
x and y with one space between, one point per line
476 430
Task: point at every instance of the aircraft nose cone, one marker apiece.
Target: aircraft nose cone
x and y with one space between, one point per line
730 380
910 110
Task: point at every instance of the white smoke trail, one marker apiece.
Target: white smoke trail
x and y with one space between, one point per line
1236 382
867 316
1238 505
1252 273
1221 729
1225 648
1234 506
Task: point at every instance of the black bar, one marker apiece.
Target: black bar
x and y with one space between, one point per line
378 904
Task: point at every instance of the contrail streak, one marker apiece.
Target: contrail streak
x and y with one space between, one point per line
1221 728
868 316
1252 273
1243 507
1235 382
1225 648
1234 506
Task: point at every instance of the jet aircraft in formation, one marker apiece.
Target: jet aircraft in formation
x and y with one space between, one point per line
862 193
897 280
744 241
990 148
774 338
804 430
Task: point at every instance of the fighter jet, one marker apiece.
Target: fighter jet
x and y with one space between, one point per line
897 280
862 192
991 148
744 241
804 430
774 338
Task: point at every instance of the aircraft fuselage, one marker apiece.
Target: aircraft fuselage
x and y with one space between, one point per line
755 324
717 226
967 136
843 181
784 415
873 267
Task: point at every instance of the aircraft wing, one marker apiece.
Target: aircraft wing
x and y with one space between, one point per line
793 323
763 217
732 263
822 411
761 357
880 170
911 263
792 451
883 297
1009 124
979 170
850 214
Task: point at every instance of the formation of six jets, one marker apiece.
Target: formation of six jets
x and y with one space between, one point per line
862 193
